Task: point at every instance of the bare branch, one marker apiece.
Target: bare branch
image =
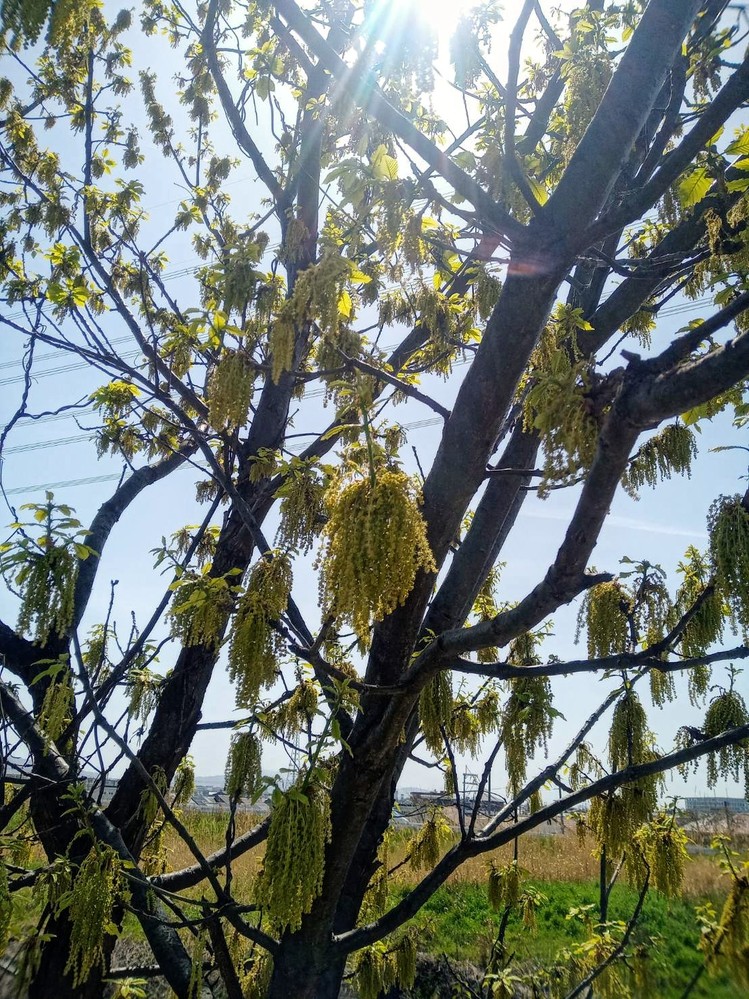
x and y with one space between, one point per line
164 941
407 907
108 515
368 94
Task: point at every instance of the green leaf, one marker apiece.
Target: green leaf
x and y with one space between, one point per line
740 145
56 293
384 166
694 186
79 295
359 277
335 431
539 191
345 305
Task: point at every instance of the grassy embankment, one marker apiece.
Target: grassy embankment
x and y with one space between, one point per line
459 923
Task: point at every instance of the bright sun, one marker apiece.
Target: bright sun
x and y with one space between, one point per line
437 16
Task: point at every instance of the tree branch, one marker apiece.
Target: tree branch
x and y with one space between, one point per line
108 515
163 940
364 91
730 97
662 395
363 936
607 664
242 137
18 654
190 876
624 109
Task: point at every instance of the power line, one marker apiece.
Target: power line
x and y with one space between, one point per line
111 477
313 393
672 310
41 445
29 423
60 370
55 353
64 484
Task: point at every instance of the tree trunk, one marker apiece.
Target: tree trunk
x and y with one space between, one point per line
304 969
49 978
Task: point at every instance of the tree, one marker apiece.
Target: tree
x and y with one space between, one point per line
538 240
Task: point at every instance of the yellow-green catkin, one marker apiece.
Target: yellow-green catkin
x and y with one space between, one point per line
435 710
614 818
376 897
57 707
144 692
154 858
487 710
486 292
727 710
375 543
727 941
554 400
230 391
302 506
485 609
430 842
256 980
296 714
243 771
294 863
526 726
728 526
316 297
405 960
375 971
629 738
68 20
53 884
504 885
604 613
663 847
47 585
95 652
201 606
464 730
662 687
587 75
96 890
670 451
183 783
255 646
263 464
149 802
705 625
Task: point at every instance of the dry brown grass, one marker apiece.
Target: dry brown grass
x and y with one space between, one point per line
568 857
549 858
209 831
558 857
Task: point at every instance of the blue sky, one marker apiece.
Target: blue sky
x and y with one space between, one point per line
659 527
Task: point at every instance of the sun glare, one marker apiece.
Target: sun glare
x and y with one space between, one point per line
426 17
444 15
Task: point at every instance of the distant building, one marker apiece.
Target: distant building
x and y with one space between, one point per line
101 790
702 806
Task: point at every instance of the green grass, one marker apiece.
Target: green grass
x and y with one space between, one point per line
459 923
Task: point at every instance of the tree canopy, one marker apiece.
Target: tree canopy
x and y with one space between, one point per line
489 241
